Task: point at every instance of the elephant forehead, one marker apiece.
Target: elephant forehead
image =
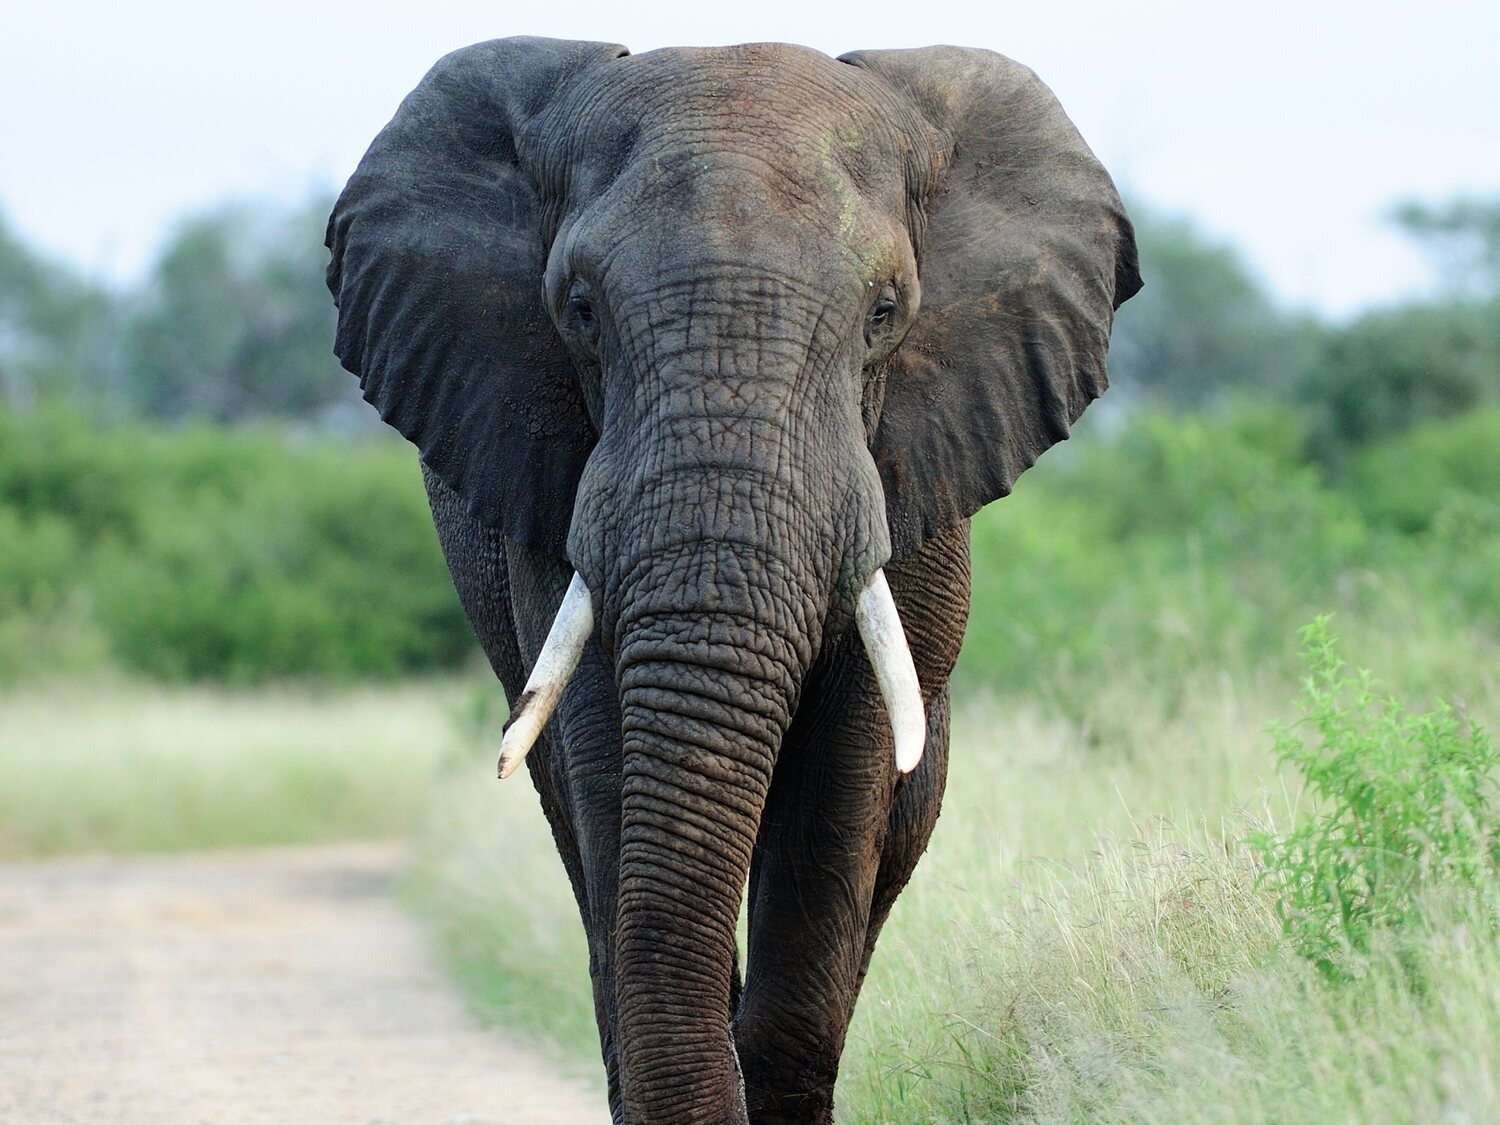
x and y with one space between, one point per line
815 124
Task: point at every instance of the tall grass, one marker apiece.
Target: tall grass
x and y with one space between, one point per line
1025 783
1131 966
1089 937
485 872
1147 983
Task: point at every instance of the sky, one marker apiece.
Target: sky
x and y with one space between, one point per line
1286 129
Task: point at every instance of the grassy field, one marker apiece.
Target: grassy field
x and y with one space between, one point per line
1087 939
118 766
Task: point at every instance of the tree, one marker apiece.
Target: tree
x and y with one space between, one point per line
235 322
1392 368
1203 327
1461 237
55 328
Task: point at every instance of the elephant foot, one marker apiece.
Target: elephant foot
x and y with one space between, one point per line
793 1096
813 1107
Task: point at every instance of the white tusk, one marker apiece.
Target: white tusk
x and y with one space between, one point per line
885 642
555 664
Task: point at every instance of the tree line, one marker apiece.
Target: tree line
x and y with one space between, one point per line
164 511
1204 331
232 324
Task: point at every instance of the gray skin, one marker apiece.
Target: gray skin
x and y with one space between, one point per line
724 331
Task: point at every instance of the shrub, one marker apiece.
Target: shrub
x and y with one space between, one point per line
1403 800
1392 368
212 553
1406 482
1180 543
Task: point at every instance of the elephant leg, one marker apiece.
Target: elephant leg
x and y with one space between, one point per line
815 870
839 839
805 920
813 930
914 814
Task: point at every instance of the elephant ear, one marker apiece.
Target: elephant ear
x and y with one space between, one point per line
437 264
1026 254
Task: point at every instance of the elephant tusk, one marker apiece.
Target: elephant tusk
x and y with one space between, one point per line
555 665
890 656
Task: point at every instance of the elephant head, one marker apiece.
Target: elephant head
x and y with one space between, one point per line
726 329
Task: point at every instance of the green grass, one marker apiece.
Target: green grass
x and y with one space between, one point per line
1091 937
1088 939
1093 942
486 874
120 766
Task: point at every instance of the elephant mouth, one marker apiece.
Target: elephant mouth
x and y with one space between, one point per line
875 616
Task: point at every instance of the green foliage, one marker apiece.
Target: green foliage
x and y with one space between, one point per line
1393 368
1404 802
1192 541
236 323
1178 543
1181 541
205 553
1397 367
1408 482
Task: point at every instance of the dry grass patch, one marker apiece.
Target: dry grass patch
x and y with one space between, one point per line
119 766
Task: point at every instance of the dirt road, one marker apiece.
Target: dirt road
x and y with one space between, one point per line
269 986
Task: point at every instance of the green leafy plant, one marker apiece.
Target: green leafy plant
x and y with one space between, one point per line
1403 802
210 553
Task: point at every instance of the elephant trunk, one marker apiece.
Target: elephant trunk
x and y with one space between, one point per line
706 696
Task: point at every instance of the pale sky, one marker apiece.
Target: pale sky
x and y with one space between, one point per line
1287 128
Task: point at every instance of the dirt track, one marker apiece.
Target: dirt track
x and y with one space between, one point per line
268 986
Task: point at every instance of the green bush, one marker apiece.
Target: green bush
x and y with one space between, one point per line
1180 542
1404 802
1405 483
1393 368
208 553
1188 543
1174 544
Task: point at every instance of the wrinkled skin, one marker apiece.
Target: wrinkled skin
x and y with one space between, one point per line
725 331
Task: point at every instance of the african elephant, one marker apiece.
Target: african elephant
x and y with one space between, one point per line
718 350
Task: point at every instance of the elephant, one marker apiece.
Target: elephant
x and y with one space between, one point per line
710 354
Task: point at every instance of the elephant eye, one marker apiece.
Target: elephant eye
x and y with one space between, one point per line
882 316
582 320
580 304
